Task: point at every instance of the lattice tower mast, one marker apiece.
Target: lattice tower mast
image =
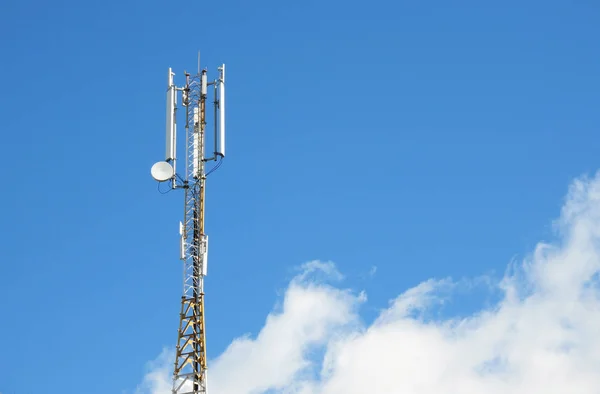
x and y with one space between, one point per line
190 371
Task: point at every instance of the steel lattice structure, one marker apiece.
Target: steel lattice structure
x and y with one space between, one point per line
190 358
190 370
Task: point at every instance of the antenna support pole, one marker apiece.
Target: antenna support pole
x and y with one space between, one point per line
189 375
190 369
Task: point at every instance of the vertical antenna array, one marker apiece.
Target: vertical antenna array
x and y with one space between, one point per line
190 370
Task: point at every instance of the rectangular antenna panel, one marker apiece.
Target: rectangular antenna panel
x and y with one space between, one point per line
170 140
205 256
196 153
222 112
181 242
182 247
204 83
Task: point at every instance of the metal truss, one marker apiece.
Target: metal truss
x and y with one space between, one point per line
189 376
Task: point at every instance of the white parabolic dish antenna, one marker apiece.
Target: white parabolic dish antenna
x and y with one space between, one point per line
162 171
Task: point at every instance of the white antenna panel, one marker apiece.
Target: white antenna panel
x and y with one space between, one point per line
182 248
205 257
171 132
222 112
204 83
195 167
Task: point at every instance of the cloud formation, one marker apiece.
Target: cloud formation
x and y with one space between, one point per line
542 336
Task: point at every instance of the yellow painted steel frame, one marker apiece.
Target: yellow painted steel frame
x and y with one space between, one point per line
189 376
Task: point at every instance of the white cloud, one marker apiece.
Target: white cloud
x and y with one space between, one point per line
158 379
317 268
542 337
373 270
310 315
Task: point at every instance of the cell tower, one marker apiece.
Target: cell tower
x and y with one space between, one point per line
189 376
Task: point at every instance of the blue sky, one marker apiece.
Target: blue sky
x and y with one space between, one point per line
424 139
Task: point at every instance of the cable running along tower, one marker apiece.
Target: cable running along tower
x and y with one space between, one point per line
189 376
